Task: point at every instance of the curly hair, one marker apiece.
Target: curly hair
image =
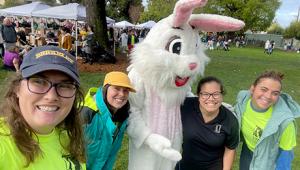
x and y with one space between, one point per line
23 134
271 74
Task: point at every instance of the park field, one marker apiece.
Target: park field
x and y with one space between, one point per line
237 69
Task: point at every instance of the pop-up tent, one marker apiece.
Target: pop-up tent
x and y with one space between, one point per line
123 24
72 11
109 20
148 24
23 10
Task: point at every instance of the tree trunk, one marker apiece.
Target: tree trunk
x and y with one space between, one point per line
96 16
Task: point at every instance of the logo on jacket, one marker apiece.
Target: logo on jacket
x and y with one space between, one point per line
218 128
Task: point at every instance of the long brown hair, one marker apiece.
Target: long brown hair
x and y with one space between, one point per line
23 134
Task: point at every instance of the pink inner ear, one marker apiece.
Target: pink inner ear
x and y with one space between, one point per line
217 25
184 9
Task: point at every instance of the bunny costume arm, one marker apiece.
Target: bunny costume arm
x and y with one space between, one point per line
137 128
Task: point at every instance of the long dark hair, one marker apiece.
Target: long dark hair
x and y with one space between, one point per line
122 113
209 79
23 134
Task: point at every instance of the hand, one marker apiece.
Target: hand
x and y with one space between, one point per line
162 146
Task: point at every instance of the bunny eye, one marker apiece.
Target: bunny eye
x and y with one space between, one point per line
174 45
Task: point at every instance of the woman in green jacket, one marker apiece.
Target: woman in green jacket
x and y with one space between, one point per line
105 114
267 119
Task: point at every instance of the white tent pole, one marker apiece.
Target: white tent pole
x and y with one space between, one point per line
32 26
76 41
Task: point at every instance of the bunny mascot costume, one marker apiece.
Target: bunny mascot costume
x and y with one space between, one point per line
162 68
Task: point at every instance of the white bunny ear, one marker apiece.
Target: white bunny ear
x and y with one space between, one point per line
215 23
183 9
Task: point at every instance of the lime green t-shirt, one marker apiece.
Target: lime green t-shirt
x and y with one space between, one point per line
51 158
253 124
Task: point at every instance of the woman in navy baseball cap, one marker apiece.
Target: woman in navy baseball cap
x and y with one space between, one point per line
39 121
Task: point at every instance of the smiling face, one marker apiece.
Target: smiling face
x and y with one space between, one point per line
265 93
117 96
210 98
43 112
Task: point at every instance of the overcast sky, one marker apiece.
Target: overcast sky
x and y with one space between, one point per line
286 13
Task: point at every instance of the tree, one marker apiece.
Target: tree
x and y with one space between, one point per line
293 30
96 17
275 28
157 10
257 14
70 1
11 3
124 9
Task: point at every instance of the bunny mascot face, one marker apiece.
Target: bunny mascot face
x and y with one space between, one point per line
162 69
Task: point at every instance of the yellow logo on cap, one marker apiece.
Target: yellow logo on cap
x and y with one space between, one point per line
56 53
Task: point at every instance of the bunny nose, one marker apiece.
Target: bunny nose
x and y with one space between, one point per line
192 66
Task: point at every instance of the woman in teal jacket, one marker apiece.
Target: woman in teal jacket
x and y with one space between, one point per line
267 119
105 115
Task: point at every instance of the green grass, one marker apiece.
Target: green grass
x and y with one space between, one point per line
236 68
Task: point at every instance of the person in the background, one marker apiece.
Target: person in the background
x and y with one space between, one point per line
21 38
210 130
9 33
1 40
105 114
40 126
65 39
25 51
267 117
267 45
83 31
132 40
11 59
123 40
111 39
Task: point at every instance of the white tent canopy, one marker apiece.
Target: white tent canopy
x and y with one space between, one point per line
73 11
24 10
109 20
148 24
123 24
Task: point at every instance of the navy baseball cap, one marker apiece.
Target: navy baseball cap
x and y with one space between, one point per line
46 58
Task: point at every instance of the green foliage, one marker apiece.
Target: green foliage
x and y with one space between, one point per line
257 14
11 3
119 9
275 28
293 30
71 1
157 9
49 2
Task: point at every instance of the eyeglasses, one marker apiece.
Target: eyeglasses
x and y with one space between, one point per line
215 95
40 85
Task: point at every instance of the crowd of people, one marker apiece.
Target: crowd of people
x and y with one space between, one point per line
214 41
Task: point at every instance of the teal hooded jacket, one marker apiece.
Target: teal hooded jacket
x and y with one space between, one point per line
267 149
103 137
